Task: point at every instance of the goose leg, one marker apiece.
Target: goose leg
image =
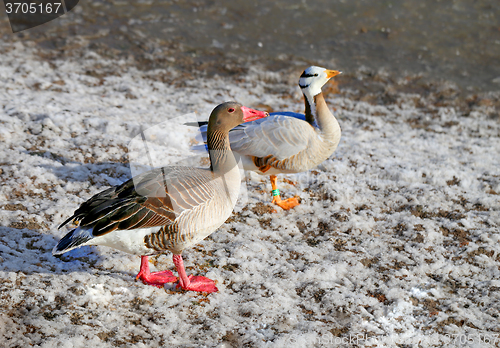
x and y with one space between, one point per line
284 204
194 283
157 278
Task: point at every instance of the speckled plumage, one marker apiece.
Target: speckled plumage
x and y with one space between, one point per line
166 209
172 203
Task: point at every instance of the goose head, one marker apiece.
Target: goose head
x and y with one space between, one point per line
313 78
228 115
223 118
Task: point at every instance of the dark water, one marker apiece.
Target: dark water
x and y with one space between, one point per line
453 40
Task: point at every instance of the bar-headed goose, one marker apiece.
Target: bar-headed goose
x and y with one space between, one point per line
288 142
167 209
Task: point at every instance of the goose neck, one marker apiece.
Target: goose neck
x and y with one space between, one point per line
319 115
221 157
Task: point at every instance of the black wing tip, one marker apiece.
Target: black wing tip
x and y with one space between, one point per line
69 242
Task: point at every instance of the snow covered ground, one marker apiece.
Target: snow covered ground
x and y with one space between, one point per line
395 244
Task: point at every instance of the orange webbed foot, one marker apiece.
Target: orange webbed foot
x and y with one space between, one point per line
286 204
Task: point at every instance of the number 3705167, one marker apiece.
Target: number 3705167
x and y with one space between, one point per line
24 7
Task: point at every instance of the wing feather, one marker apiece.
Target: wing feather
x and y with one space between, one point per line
154 198
280 135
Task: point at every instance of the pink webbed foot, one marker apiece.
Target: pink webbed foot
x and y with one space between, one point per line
198 283
193 283
157 279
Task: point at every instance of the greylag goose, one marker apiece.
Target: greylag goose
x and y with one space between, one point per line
167 209
288 142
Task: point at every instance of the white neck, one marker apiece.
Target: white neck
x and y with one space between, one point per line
325 120
310 92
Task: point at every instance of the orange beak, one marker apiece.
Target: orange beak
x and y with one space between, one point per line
332 73
252 115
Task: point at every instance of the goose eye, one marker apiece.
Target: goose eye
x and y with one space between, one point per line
230 110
